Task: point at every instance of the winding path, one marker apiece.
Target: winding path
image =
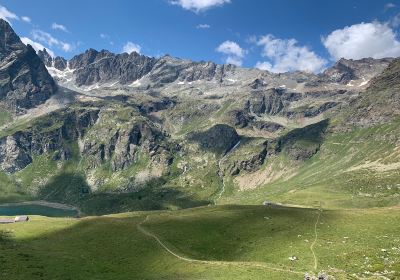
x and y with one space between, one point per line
315 240
216 263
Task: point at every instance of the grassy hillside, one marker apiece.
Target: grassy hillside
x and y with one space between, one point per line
357 168
5 116
224 242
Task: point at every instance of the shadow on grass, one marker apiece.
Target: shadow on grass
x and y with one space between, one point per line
113 248
71 188
232 232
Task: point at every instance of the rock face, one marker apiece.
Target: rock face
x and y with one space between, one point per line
123 146
267 126
381 101
45 57
24 80
346 70
93 67
218 139
13 156
301 143
239 118
169 69
258 83
269 102
58 62
249 164
18 149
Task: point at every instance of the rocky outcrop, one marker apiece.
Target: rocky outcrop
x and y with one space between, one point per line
250 164
242 119
45 57
301 143
58 62
312 110
381 101
218 139
48 134
346 70
24 80
258 83
122 146
239 118
156 105
13 156
169 69
269 102
144 136
93 67
267 126
315 111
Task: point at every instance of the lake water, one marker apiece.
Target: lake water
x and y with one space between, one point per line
27 209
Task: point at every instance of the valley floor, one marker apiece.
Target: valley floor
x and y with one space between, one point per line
216 242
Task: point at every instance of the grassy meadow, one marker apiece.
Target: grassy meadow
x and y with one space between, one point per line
216 242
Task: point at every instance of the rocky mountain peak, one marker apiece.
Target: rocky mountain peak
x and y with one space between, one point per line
45 57
345 70
83 59
9 41
25 80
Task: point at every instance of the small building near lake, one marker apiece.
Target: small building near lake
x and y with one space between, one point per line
21 219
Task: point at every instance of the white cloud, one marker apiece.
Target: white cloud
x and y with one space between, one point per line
233 51
130 47
263 65
49 40
234 60
37 46
286 55
390 6
375 39
6 14
26 19
66 47
57 26
199 5
394 22
203 26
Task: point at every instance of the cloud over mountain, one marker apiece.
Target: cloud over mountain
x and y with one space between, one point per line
233 51
285 55
374 39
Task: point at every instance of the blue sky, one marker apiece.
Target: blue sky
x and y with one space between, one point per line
279 36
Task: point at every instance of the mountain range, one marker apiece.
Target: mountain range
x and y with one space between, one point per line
115 132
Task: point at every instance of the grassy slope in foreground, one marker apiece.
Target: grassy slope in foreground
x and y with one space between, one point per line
347 244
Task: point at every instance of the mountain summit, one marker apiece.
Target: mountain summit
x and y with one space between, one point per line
25 82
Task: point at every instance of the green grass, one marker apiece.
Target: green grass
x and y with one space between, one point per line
330 176
35 174
11 190
348 244
5 116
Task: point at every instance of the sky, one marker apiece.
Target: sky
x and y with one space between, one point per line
274 35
